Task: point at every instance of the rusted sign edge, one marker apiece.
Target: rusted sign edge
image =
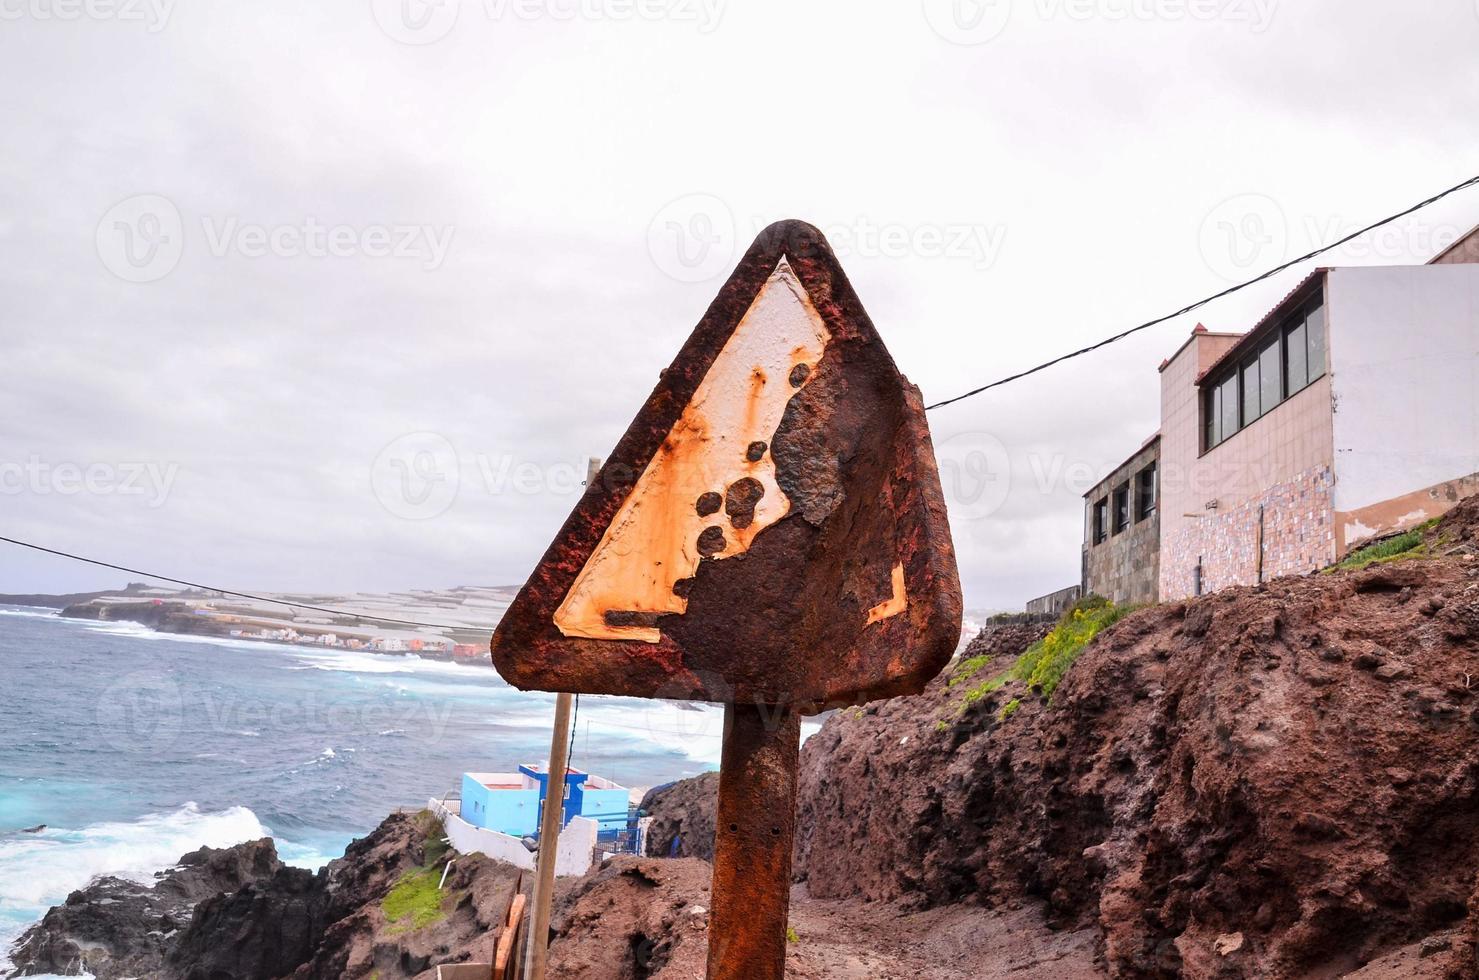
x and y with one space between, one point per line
642 669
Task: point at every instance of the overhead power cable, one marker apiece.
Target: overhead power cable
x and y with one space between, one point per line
940 404
1203 302
238 595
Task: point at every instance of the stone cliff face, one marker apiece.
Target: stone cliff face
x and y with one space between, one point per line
682 818
1261 783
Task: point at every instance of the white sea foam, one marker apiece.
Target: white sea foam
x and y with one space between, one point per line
39 870
44 867
30 612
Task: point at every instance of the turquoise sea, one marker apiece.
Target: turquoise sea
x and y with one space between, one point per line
134 747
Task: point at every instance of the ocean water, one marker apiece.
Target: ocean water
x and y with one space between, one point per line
135 747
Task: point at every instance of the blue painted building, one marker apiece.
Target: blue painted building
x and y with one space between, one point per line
512 802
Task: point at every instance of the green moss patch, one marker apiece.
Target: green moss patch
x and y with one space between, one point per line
1043 665
415 901
1412 544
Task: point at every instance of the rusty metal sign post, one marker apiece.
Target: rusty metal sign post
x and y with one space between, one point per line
770 534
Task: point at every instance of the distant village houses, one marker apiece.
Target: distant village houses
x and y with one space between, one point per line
1349 412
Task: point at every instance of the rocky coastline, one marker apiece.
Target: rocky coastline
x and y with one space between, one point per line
1270 783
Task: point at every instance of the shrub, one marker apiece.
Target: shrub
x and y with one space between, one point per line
1043 664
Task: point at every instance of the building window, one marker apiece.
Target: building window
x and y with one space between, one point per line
1121 508
1145 493
1101 521
1289 358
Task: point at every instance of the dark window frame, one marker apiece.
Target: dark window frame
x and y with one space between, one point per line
1120 517
1099 521
1216 413
1143 510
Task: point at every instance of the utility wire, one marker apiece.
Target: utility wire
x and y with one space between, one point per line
1203 302
940 404
570 750
239 595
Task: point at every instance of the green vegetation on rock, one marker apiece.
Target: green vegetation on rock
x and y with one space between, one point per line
417 900
1412 544
1043 664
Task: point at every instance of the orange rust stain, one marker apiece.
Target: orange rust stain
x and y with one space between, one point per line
896 603
652 541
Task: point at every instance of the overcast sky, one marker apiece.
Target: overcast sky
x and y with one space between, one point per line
340 296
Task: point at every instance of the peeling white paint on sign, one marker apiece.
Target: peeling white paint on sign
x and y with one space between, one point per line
718 450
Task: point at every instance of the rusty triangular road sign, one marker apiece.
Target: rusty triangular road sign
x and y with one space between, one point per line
770 530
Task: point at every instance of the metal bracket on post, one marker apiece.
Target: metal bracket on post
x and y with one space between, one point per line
754 831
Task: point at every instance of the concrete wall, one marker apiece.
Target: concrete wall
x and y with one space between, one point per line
573 857
1210 503
1404 353
1055 603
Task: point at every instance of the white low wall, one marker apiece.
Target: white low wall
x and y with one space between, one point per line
577 842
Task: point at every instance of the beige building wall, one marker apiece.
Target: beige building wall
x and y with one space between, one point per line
1256 506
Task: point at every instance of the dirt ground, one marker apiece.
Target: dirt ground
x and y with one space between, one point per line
854 940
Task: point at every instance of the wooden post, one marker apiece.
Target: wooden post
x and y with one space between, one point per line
551 820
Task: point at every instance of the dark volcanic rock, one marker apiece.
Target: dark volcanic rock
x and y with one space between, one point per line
1216 786
682 817
115 928
265 930
238 914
